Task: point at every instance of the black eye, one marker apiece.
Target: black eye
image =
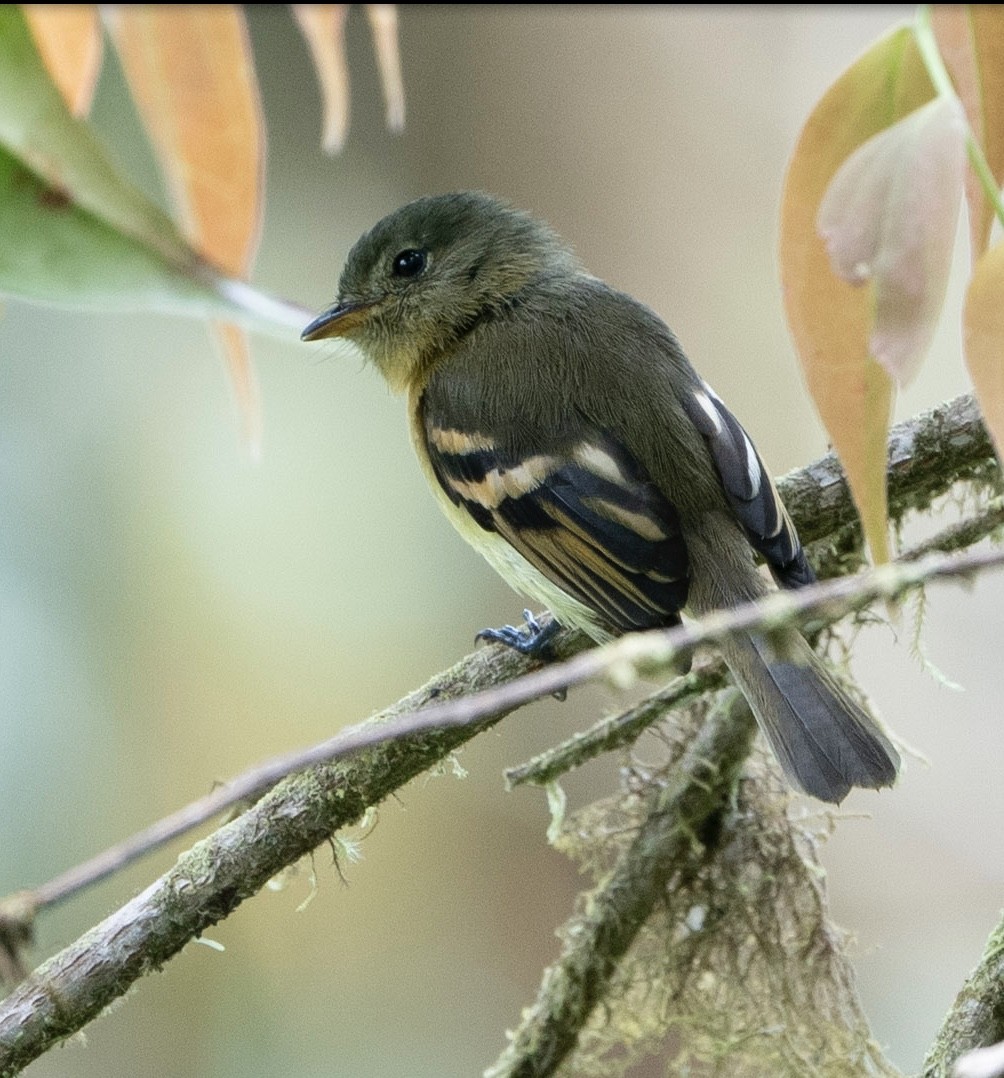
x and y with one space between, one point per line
408 263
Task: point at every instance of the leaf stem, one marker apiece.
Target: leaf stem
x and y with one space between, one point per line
927 44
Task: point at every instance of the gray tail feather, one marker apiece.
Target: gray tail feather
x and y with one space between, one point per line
825 741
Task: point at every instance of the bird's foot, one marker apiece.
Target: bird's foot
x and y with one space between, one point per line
531 639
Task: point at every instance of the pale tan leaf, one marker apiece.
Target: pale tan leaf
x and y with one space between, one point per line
890 216
323 28
983 334
971 41
830 319
68 38
383 26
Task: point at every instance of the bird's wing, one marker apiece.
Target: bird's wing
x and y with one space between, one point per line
584 514
749 487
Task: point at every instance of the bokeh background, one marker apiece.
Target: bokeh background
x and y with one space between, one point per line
171 612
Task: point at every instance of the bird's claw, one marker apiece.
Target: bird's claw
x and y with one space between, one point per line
531 639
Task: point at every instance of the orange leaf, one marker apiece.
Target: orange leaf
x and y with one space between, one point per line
323 28
971 42
68 37
191 74
983 335
192 77
830 319
234 343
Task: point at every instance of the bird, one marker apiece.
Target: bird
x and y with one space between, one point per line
568 438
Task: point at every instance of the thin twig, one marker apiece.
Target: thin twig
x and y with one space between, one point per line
233 863
981 1062
818 500
212 878
965 533
496 667
618 730
217 874
612 733
643 654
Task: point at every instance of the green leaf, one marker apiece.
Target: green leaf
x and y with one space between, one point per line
77 234
37 128
57 252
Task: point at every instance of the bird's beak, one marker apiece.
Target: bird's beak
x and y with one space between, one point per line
337 321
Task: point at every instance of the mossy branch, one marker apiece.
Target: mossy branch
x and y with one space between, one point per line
618 730
623 729
718 897
976 1019
667 845
928 455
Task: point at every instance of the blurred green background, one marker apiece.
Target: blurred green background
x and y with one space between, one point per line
172 612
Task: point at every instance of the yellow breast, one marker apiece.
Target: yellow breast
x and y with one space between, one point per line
514 569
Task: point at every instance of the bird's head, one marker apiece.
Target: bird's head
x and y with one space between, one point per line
423 276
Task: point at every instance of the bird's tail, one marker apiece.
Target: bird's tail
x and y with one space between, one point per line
824 741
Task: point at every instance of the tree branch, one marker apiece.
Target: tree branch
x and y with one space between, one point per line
819 502
454 703
211 879
718 895
618 730
927 455
298 814
666 845
976 1019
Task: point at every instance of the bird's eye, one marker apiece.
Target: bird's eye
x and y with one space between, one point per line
409 263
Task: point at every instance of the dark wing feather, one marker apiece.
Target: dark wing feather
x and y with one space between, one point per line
749 488
585 515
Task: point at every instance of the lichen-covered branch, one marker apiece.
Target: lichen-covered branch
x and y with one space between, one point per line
976 1019
210 880
444 705
707 936
817 497
667 844
618 730
927 456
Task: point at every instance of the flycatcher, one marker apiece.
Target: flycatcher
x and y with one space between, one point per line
569 440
